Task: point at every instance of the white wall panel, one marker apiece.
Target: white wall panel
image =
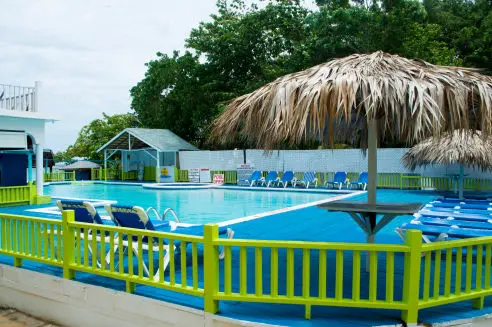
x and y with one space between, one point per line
350 160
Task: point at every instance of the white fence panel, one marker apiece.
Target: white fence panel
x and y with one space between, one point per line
350 160
266 160
215 160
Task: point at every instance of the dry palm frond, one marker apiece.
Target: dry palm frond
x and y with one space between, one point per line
333 101
467 148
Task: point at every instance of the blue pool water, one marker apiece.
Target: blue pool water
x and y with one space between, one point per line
192 206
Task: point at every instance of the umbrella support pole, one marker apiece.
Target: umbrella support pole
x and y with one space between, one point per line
372 168
370 226
461 186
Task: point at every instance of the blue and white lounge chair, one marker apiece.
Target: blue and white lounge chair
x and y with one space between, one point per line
86 213
308 179
361 182
270 179
454 215
287 177
135 217
450 222
338 180
255 178
438 233
461 206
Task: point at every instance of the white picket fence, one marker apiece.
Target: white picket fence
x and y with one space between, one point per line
350 160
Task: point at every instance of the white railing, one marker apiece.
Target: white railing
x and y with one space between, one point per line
19 98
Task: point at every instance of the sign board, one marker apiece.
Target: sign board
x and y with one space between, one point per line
218 178
194 175
167 174
244 172
205 175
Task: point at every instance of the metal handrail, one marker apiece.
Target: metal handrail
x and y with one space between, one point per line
163 217
154 210
171 210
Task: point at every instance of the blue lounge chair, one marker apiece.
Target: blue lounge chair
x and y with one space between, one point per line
454 215
338 180
460 206
455 222
255 178
461 201
270 179
459 209
136 217
86 213
308 179
361 182
287 177
439 233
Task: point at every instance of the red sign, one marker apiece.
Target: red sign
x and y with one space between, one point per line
218 178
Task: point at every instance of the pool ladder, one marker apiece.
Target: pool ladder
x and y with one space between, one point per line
163 217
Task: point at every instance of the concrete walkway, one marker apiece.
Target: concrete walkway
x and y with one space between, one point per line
14 318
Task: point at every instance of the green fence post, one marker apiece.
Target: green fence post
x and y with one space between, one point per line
32 192
478 303
211 268
17 262
68 216
411 276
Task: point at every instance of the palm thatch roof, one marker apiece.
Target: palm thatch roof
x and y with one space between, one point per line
333 101
467 148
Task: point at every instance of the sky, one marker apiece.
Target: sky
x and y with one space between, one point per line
88 53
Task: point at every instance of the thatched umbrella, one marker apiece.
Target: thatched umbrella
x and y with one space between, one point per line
342 99
466 148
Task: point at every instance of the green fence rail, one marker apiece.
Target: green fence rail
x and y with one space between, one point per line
60 176
407 277
17 195
102 174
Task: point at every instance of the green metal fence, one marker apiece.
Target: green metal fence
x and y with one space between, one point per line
464 266
17 195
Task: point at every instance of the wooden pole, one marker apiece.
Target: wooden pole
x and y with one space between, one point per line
372 168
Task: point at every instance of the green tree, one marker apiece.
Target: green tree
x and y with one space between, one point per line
96 134
245 46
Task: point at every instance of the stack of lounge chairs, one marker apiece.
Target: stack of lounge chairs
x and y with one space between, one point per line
452 219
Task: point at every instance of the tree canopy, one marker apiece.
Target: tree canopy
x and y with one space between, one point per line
95 134
243 47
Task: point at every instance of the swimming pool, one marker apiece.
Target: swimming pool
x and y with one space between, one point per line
192 206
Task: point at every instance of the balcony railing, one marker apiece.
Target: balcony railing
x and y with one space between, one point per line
19 98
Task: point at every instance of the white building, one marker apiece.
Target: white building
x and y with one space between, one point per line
22 136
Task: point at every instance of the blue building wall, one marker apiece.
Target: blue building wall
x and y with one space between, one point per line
13 169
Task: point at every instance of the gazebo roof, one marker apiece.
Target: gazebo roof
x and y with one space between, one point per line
147 138
80 165
466 147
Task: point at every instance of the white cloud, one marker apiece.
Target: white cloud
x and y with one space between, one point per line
88 54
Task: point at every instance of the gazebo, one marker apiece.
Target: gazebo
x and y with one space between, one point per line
144 146
361 99
466 148
81 168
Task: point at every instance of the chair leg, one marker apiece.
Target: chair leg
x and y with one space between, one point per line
400 233
230 235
